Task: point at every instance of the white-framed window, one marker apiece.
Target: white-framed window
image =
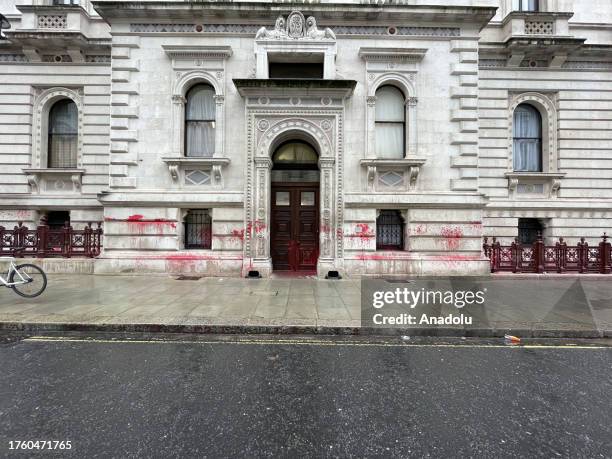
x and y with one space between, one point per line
200 121
390 123
63 135
525 5
57 128
527 139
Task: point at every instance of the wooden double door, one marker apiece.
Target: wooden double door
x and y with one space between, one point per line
294 243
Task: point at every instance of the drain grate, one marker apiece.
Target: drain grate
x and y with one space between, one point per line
192 278
264 292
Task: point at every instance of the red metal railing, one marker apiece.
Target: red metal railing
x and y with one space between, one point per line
541 258
44 242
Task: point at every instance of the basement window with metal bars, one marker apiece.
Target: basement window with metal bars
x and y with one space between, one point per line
198 229
390 230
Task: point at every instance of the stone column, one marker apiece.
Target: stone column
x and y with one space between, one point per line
258 229
411 131
220 120
329 64
261 64
371 127
328 225
178 110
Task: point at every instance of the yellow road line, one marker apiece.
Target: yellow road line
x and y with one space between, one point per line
306 343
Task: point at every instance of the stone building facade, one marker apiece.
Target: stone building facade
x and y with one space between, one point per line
359 137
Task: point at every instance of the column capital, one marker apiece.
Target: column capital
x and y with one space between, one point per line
326 162
263 162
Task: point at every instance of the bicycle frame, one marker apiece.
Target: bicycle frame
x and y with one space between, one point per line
23 280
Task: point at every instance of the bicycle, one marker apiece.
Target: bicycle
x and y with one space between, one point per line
26 280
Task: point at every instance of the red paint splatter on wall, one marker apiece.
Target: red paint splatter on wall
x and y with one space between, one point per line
452 236
420 229
238 233
139 220
256 227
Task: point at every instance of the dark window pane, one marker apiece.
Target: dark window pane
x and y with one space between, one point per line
390 230
198 230
528 230
57 219
296 70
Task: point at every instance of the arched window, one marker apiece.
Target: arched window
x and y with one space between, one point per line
525 5
390 230
63 135
295 154
527 145
390 121
200 114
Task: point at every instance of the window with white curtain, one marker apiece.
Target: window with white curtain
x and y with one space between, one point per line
527 146
525 5
390 121
63 134
200 113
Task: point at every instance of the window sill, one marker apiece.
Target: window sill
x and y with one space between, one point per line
54 180
177 166
392 174
534 184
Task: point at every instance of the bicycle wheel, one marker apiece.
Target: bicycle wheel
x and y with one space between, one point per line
36 280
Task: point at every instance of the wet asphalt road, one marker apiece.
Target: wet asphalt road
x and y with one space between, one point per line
303 397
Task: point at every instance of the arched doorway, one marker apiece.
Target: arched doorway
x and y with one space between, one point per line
294 235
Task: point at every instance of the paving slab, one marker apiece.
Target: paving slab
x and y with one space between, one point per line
309 305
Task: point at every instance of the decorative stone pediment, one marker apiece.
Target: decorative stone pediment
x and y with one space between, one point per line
195 56
295 27
294 36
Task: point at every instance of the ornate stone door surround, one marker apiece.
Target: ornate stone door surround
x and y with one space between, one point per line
272 119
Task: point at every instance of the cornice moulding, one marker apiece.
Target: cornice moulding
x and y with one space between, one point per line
406 162
330 13
198 52
392 54
193 161
330 88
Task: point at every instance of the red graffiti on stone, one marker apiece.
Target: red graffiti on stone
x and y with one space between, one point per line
140 220
256 227
364 230
452 237
238 233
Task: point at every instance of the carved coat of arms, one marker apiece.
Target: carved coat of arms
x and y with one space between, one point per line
295 27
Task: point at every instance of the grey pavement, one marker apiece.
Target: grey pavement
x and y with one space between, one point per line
531 306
